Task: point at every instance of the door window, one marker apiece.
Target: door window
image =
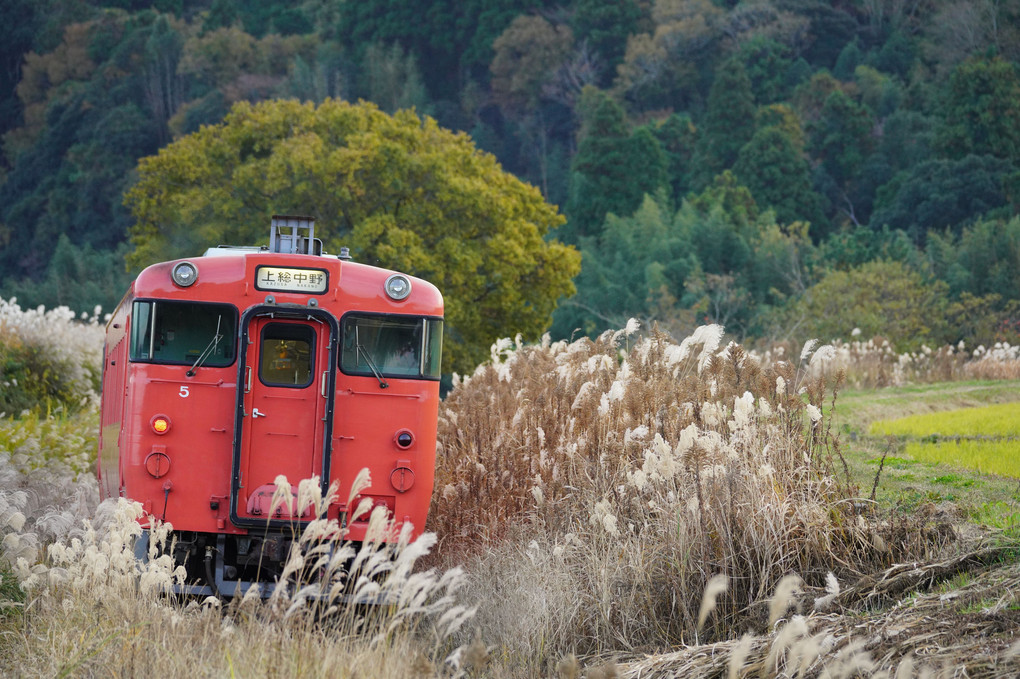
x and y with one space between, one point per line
286 356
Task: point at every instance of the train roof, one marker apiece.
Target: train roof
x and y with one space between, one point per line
292 270
249 276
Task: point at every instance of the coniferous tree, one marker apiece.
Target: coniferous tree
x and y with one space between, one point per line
842 140
613 168
778 176
677 136
728 123
606 25
222 14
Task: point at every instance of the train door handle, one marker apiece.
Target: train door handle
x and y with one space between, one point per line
247 379
255 413
324 381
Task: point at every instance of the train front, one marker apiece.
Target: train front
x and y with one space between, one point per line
227 372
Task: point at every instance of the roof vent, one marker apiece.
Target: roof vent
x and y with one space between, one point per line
293 235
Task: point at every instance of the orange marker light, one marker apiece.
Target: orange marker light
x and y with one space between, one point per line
160 424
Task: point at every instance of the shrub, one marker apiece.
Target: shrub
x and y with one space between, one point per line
878 298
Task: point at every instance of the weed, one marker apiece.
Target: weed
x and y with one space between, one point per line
893 462
48 358
957 582
1004 516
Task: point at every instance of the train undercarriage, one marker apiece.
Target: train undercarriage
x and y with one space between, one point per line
225 565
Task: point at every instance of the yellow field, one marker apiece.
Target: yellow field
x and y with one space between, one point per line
987 457
1000 420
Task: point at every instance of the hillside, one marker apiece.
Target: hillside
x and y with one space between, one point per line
804 167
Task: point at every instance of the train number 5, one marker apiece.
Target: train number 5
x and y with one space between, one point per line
184 392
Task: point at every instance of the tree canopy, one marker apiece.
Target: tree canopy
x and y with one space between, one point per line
830 135
401 191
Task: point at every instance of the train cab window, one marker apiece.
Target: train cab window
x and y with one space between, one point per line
286 355
181 333
392 346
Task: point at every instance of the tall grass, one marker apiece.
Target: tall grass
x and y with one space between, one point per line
46 479
874 363
595 487
591 490
102 612
50 358
74 600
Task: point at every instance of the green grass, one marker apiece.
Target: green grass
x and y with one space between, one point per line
1002 515
956 481
1000 420
41 439
857 409
11 595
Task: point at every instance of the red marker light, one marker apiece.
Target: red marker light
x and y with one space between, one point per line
161 424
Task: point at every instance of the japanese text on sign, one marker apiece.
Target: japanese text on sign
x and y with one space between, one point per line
290 280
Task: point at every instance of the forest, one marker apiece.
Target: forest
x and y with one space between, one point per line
779 167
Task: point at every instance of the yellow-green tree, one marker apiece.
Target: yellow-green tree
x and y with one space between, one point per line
881 298
402 192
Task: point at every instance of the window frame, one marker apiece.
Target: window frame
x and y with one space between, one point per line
419 375
311 354
135 336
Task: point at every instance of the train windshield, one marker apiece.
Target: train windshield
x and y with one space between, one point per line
178 333
392 346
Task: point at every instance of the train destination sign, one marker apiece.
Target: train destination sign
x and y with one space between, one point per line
291 279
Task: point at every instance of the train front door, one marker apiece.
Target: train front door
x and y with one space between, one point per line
283 424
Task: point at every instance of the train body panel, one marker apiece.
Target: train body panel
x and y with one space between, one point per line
264 364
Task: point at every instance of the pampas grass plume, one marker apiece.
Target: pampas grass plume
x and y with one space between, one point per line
739 656
786 591
717 585
809 346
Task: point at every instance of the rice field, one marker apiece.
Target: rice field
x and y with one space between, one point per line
1001 420
985 457
986 439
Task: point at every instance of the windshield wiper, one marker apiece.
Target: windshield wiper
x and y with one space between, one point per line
209 349
371 364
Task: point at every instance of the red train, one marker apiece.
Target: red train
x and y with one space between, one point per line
224 371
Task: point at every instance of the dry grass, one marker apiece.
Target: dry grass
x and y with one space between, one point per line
593 489
874 363
91 609
958 620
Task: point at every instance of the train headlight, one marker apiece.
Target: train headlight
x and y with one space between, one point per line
398 286
403 439
160 424
184 274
